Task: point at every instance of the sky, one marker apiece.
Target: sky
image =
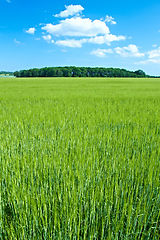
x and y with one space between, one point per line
84 33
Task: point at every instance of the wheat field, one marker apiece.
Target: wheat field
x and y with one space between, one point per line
79 158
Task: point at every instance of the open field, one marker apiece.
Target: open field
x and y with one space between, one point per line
80 158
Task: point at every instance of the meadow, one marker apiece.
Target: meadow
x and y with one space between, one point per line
79 158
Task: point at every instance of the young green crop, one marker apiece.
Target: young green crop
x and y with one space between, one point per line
79 158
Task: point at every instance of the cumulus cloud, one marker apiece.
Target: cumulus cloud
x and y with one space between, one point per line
77 27
71 10
154 53
101 52
110 19
129 51
153 56
107 39
31 31
71 43
47 38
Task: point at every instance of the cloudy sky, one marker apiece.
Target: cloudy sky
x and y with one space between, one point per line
123 34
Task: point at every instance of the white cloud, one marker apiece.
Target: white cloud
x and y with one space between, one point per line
77 27
47 38
107 39
97 40
80 30
71 10
110 19
130 51
16 41
31 30
154 53
155 45
156 61
153 57
101 52
71 43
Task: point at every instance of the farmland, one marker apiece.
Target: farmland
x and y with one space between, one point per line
80 158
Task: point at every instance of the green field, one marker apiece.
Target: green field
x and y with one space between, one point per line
79 158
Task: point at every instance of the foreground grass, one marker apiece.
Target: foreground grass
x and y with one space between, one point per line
79 158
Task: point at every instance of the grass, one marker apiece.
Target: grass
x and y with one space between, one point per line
79 158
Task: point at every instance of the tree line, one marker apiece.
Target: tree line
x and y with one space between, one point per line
6 73
79 72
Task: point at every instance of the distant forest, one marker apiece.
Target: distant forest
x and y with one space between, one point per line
80 72
6 73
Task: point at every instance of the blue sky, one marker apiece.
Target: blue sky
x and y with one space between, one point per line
123 34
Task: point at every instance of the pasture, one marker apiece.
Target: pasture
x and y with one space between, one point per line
79 158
